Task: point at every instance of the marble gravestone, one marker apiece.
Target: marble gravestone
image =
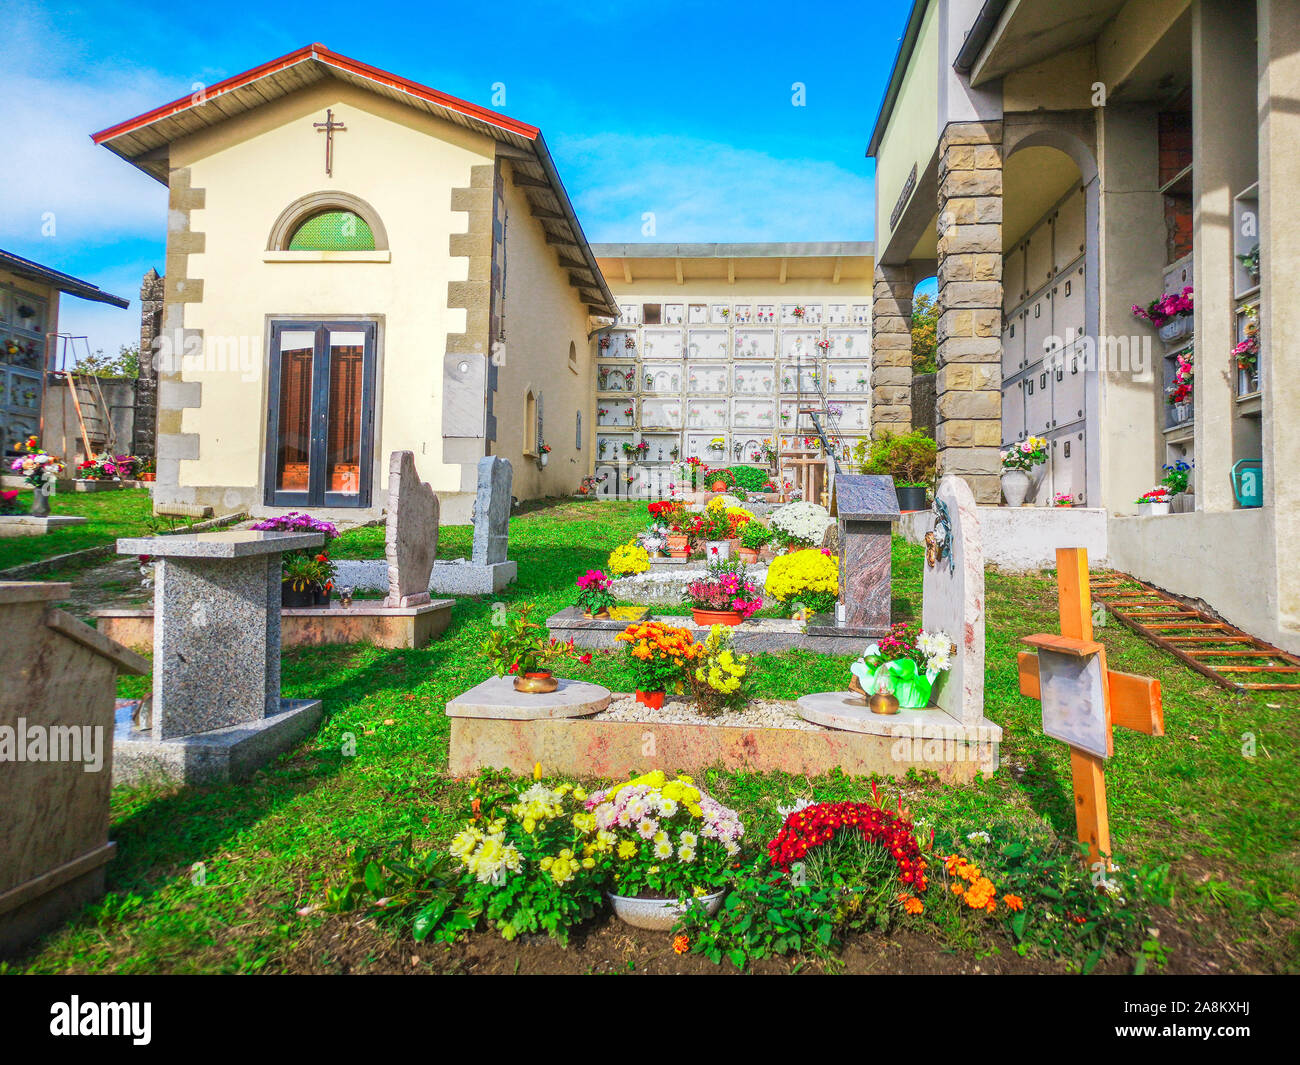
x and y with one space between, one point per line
492 511
866 506
953 597
411 533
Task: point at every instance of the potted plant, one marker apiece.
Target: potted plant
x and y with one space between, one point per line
753 538
658 656
628 559
1250 263
594 595
1018 463
723 596
800 525
1178 479
543 455
525 650
905 664
716 530
1153 503
909 458
808 582
147 471
1062 499
1172 314
673 848
307 577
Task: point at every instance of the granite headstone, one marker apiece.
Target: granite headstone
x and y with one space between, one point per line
411 533
492 511
952 591
866 506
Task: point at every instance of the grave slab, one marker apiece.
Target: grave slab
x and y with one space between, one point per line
492 511
30 525
496 699
448 576
217 756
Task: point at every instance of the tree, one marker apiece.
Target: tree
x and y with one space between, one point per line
925 334
126 363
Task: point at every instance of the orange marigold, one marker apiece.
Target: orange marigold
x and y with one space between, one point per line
1014 902
681 944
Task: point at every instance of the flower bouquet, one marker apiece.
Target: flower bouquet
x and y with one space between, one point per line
724 596
658 656
663 844
1153 502
905 663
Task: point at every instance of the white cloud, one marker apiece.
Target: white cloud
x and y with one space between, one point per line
700 190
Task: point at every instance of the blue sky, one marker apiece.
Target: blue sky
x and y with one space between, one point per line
681 109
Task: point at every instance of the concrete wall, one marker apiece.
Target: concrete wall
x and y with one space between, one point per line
62 433
1025 539
236 179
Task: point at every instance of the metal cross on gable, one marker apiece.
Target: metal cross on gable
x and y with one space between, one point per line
328 127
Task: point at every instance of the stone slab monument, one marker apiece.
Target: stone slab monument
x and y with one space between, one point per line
953 597
865 507
488 570
411 533
215 712
57 686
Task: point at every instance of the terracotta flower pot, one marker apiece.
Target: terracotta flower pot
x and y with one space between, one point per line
679 546
748 554
706 618
718 486
148 477
536 683
654 700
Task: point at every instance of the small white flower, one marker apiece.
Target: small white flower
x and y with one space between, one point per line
979 837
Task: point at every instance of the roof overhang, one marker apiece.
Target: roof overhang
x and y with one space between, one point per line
1009 35
144 141
834 261
73 286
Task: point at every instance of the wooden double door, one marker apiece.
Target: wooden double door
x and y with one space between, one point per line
320 432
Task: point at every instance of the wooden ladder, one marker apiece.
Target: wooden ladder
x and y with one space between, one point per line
1195 638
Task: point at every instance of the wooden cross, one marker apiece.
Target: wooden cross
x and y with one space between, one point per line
1082 699
328 127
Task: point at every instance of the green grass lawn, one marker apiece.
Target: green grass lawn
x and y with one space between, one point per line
229 879
126 512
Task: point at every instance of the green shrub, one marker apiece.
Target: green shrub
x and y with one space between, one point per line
750 478
909 458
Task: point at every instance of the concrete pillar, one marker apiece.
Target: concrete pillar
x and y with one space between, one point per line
1279 316
891 350
1224 135
968 408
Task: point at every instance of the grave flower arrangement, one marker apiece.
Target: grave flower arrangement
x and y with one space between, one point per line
629 558
800 524
907 662
307 577
594 595
1177 477
9 501
1025 455
754 536
1246 353
1168 305
1184 378
810 579
521 647
670 841
659 656
529 861
106 468
719 678
1159 495
724 595
35 463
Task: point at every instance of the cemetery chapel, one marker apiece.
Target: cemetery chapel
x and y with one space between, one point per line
357 264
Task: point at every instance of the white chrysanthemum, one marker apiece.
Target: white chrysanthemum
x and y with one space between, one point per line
648 829
663 849
686 855
806 522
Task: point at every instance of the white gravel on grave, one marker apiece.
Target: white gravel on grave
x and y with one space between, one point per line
760 713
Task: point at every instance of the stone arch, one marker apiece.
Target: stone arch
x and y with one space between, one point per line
306 207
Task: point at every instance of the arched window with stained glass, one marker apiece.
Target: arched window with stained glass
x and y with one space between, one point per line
334 230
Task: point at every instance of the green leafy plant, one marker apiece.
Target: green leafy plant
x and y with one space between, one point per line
517 645
755 535
764 915
910 458
750 478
